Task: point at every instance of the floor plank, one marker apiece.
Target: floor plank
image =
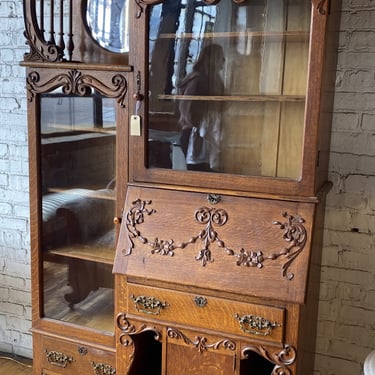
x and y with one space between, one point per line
13 365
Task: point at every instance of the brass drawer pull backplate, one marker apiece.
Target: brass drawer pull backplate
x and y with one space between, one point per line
58 359
256 325
103 369
148 305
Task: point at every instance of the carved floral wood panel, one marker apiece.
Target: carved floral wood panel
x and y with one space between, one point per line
294 234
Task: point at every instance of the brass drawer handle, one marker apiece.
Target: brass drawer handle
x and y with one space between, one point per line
200 301
256 325
148 305
103 369
58 359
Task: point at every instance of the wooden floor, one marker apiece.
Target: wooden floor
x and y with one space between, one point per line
11 365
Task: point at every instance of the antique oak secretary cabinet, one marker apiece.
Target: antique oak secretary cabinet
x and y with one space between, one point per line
202 128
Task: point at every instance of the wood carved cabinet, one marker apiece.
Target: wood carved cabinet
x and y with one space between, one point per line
178 173
218 254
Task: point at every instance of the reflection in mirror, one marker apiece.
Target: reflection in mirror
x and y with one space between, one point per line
229 96
108 24
77 153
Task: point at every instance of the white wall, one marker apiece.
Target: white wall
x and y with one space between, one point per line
347 307
15 298
347 297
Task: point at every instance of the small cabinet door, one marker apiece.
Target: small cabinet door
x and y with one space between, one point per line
189 361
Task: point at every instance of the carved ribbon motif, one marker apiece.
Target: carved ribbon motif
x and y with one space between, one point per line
282 359
294 234
200 342
76 82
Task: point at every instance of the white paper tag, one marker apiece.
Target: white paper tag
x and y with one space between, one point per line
135 125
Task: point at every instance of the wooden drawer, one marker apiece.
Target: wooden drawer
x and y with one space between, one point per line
199 311
241 245
63 357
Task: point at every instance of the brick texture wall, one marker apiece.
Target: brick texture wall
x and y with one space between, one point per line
15 298
346 331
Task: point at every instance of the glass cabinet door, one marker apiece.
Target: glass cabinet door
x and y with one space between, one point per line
77 173
226 88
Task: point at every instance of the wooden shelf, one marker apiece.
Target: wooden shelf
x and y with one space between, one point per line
86 192
237 98
300 35
94 253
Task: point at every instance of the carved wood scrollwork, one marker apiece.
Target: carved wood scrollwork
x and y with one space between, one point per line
78 83
39 49
42 47
200 342
281 359
294 233
128 330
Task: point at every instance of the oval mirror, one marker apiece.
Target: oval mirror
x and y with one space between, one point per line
108 23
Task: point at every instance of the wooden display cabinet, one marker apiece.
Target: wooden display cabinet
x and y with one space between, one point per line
203 129
219 249
77 121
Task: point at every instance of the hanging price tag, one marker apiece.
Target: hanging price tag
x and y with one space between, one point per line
135 120
135 125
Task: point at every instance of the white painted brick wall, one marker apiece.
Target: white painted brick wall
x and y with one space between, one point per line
15 297
347 307
346 331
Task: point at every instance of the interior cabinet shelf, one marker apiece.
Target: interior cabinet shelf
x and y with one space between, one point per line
290 35
237 98
95 192
94 253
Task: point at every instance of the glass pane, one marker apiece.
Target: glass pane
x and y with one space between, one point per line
108 23
77 151
227 86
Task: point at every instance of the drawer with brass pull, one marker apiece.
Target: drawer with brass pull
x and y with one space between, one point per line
219 314
63 357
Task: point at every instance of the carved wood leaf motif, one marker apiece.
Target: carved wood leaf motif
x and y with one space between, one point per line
294 234
282 359
79 83
128 330
200 342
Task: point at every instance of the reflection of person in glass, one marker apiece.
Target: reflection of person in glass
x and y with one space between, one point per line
200 118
